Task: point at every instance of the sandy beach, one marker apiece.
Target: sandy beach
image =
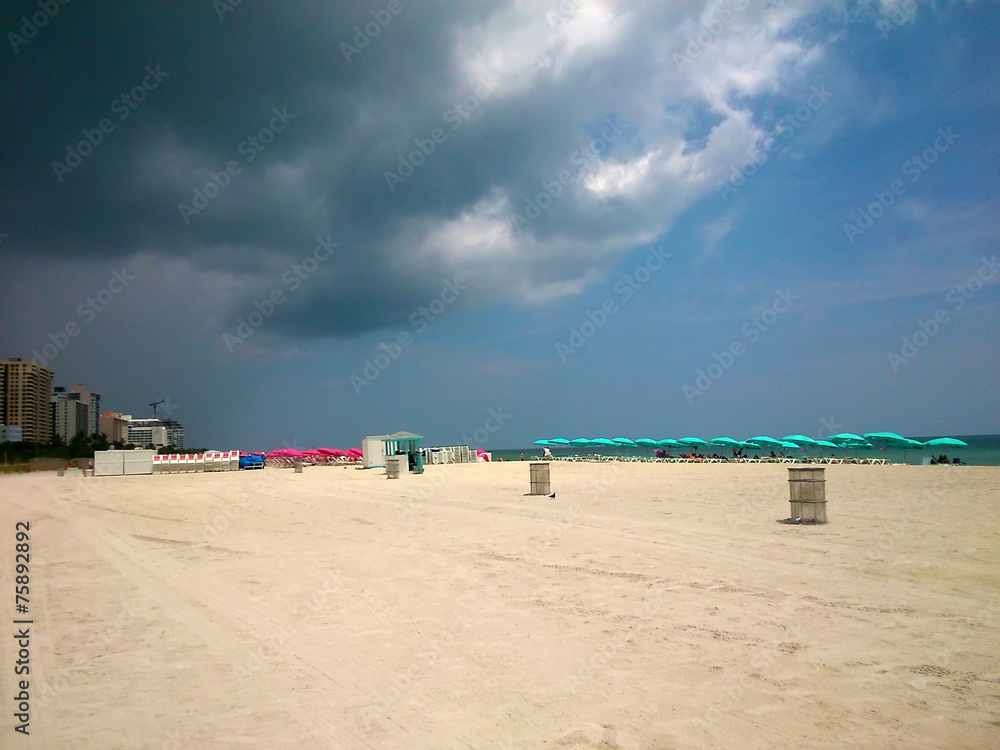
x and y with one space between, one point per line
646 607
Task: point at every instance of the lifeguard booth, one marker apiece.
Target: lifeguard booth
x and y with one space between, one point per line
375 448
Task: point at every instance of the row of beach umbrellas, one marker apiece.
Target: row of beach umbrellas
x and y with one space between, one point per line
844 440
315 452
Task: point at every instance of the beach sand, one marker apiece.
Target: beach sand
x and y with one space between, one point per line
646 606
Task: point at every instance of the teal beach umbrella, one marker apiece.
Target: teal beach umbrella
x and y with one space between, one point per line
947 442
846 437
763 440
892 439
798 440
886 437
693 442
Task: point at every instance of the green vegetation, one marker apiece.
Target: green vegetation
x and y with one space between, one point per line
81 446
13 455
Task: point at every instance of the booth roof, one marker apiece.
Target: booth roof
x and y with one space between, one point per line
403 436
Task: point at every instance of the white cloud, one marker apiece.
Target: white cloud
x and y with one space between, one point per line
732 50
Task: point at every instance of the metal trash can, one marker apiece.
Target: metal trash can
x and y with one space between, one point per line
540 479
298 467
61 472
392 466
807 493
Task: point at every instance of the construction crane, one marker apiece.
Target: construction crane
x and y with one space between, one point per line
155 404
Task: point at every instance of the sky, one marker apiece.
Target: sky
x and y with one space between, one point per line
494 222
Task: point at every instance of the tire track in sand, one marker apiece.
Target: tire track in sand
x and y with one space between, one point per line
185 597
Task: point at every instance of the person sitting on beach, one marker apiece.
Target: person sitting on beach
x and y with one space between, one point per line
772 455
546 453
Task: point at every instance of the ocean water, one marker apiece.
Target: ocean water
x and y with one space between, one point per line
983 450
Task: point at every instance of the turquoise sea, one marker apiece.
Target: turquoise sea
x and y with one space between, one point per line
983 450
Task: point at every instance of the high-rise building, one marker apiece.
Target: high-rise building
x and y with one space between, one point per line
78 392
25 398
114 426
69 416
147 432
175 432
158 432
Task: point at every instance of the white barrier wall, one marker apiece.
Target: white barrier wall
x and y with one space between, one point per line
109 463
120 463
138 462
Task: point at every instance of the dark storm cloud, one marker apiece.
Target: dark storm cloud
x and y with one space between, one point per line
131 127
218 83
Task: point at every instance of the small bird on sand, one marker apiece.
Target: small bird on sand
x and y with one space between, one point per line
552 495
